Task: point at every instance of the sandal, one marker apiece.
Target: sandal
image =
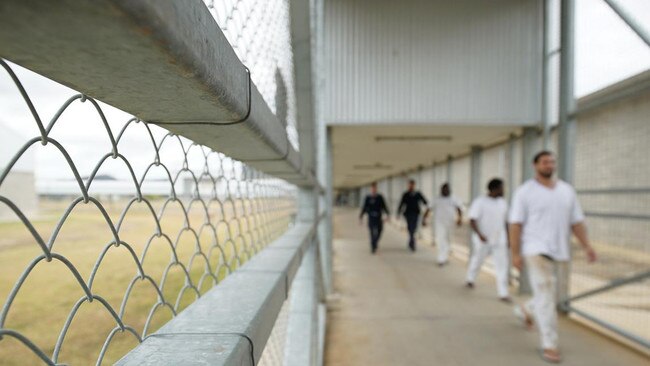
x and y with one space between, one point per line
550 355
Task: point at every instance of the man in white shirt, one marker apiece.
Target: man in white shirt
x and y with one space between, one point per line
544 213
446 210
488 217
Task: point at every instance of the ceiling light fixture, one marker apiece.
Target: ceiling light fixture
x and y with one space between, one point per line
373 166
422 138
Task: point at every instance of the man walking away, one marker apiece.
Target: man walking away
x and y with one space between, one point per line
374 205
409 206
447 209
488 217
544 213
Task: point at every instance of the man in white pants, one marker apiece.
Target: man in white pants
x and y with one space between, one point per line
544 213
488 216
445 208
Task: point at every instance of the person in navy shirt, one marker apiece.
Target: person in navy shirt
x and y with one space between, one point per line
409 206
374 205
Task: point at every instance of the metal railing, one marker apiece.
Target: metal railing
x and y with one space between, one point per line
223 213
613 293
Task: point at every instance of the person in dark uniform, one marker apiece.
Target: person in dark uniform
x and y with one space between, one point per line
409 206
374 205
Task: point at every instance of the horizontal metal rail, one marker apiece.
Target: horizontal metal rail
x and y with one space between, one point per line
166 62
611 327
612 285
567 306
622 190
230 324
617 215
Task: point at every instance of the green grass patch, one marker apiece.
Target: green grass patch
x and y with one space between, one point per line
50 292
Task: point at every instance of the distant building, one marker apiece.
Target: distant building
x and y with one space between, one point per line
18 186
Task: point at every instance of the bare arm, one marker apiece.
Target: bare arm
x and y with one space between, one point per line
580 231
474 226
460 216
515 245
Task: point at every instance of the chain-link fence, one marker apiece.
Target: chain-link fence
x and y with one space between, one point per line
153 221
258 31
613 185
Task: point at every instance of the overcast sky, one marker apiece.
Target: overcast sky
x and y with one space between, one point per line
606 48
607 51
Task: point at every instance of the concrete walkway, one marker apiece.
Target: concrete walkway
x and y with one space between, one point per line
398 308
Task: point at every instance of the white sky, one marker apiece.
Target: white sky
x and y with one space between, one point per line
607 51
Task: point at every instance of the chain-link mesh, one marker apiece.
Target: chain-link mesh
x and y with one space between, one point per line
613 185
274 350
258 31
95 272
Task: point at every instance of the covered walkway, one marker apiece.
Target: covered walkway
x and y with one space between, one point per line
398 308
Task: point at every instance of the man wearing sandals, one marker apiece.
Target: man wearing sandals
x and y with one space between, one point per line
545 211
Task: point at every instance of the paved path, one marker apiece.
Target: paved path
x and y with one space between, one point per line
398 308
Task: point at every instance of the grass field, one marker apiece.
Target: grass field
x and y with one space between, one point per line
50 292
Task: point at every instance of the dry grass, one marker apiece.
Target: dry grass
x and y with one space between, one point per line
50 292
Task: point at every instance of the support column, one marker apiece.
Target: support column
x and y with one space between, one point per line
546 74
512 185
329 212
450 160
527 154
324 174
389 194
434 181
475 184
475 172
567 123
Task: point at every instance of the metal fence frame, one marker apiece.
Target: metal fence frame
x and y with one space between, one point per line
186 49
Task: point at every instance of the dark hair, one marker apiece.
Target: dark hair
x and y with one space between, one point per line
494 184
540 155
373 184
445 185
411 181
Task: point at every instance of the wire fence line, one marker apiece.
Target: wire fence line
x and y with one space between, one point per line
227 212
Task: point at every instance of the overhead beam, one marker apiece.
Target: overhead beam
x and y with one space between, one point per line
166 62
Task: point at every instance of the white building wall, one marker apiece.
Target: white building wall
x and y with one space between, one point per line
427 183
612 153
432 61
460 180
493 165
